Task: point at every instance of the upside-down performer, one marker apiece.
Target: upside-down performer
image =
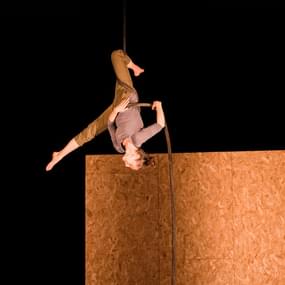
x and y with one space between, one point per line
122 119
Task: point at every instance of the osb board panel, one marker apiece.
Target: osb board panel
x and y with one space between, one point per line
165 235
259 217
230 209
204 218
122 231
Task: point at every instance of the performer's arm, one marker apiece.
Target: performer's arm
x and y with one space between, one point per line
121 107
160 119
146 133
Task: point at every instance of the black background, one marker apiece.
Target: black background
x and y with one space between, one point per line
215 66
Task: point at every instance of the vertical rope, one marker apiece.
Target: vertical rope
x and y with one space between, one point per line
125 25
173 208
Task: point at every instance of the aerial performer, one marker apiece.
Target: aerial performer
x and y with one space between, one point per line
122 119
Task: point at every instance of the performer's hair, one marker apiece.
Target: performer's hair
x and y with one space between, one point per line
146 158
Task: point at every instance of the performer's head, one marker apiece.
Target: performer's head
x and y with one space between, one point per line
135 158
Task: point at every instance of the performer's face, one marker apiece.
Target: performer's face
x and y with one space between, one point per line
132 159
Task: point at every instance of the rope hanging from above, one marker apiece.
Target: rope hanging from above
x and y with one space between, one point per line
125 25
170 162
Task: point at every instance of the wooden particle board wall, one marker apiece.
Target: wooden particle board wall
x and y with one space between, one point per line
230 220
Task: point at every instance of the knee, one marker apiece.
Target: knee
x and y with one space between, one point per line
117 53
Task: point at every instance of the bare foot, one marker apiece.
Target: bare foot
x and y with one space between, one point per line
137 70
55 159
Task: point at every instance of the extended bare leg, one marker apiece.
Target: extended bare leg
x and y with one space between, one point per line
57 156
